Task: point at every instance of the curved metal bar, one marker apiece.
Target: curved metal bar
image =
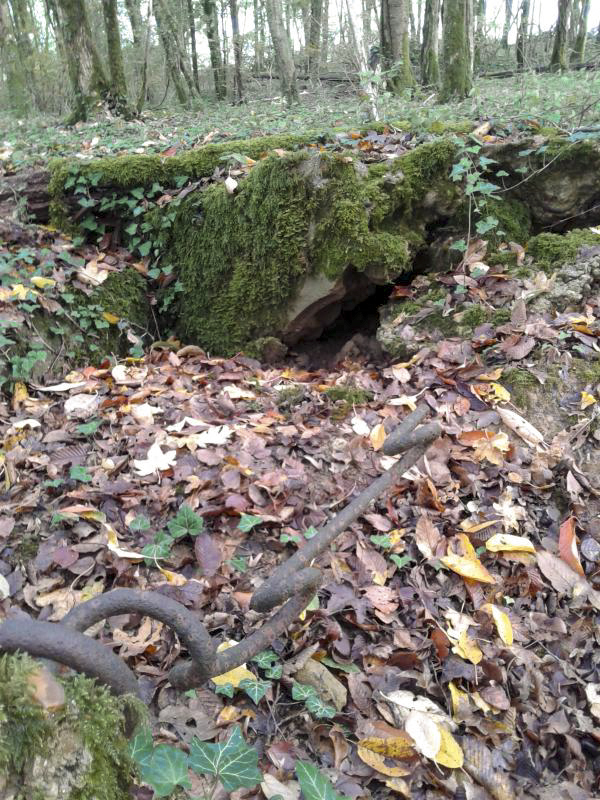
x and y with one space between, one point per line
69 647
192 633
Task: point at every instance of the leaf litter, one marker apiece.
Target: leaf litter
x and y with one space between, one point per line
457 623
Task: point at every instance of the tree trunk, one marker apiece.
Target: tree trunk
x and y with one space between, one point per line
480 9
458 48
238 92
522 35
507 22
314 39
259 37
135 20
86 73
581 37
118 88
368 88
283 51
558 62
325 33
166 40
430 68
169 24
9 58
211 22
395 44
192 29
143 93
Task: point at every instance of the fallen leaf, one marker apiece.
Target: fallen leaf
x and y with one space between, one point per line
467 568
587 400
450 754
502 622
376 762
234 676
567 545
427 537
272 787
156 461
509 543
377 436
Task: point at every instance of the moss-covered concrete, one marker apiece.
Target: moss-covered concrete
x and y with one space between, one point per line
551 250
79 749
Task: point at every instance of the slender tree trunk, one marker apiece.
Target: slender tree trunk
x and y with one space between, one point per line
522 36
507 22
395 44
86 73
368 88
259 37
325 32
430 68
169 24
118 88
211 23
166 39
135 20
575 9
458 48
9 59
143 93
558 62
194 51
581 36
480 9
238 92
314 38
283 51
414 34
366 21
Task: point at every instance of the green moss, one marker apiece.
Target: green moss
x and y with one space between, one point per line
441 126
519 383
348 394
514 218
289 397
551 250
503 258
500 316
124 295
472 317
90 714
425 169
588 372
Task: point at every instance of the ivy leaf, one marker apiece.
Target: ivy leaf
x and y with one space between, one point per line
301 691
275 672
78 473
255 690
234 763
310 532
314 785
318 708
139 523
167 768
141 747
186 523
401 561
265 658
89 428
227 689
247 522
381 540
144 248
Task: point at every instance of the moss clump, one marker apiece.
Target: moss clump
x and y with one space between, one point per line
472 317
500 316
350 395
520 383
289 397
91 723
587 372
551 250
243 258
514 220
124 295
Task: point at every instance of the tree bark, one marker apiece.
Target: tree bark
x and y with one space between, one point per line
430 67
85 70
118 87
507 22
238 92
135 20
170 27
558 62
283 51
458 48
395 44
314 38
9 58
581 35
522 35
211 23
194 51
166 40
325 32
259 37
480 9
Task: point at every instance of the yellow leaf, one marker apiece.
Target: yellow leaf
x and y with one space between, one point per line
400 786
114 547
19 292
392 747
173 578
460 700
234 676
481 704
450 754
506 541
587 399
500 392
112 318
490 376
43 283
20 393
502 622
312 606
468 549
466 648
377 436
468 568
376 762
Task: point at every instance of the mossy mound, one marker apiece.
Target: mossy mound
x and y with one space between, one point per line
551 250
78 751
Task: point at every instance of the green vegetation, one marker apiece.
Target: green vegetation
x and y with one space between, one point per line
551 250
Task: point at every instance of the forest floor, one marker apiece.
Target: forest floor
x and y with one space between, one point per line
564 102
470 595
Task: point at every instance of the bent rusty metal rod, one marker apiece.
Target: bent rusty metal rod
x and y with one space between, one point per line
281 584
294 581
